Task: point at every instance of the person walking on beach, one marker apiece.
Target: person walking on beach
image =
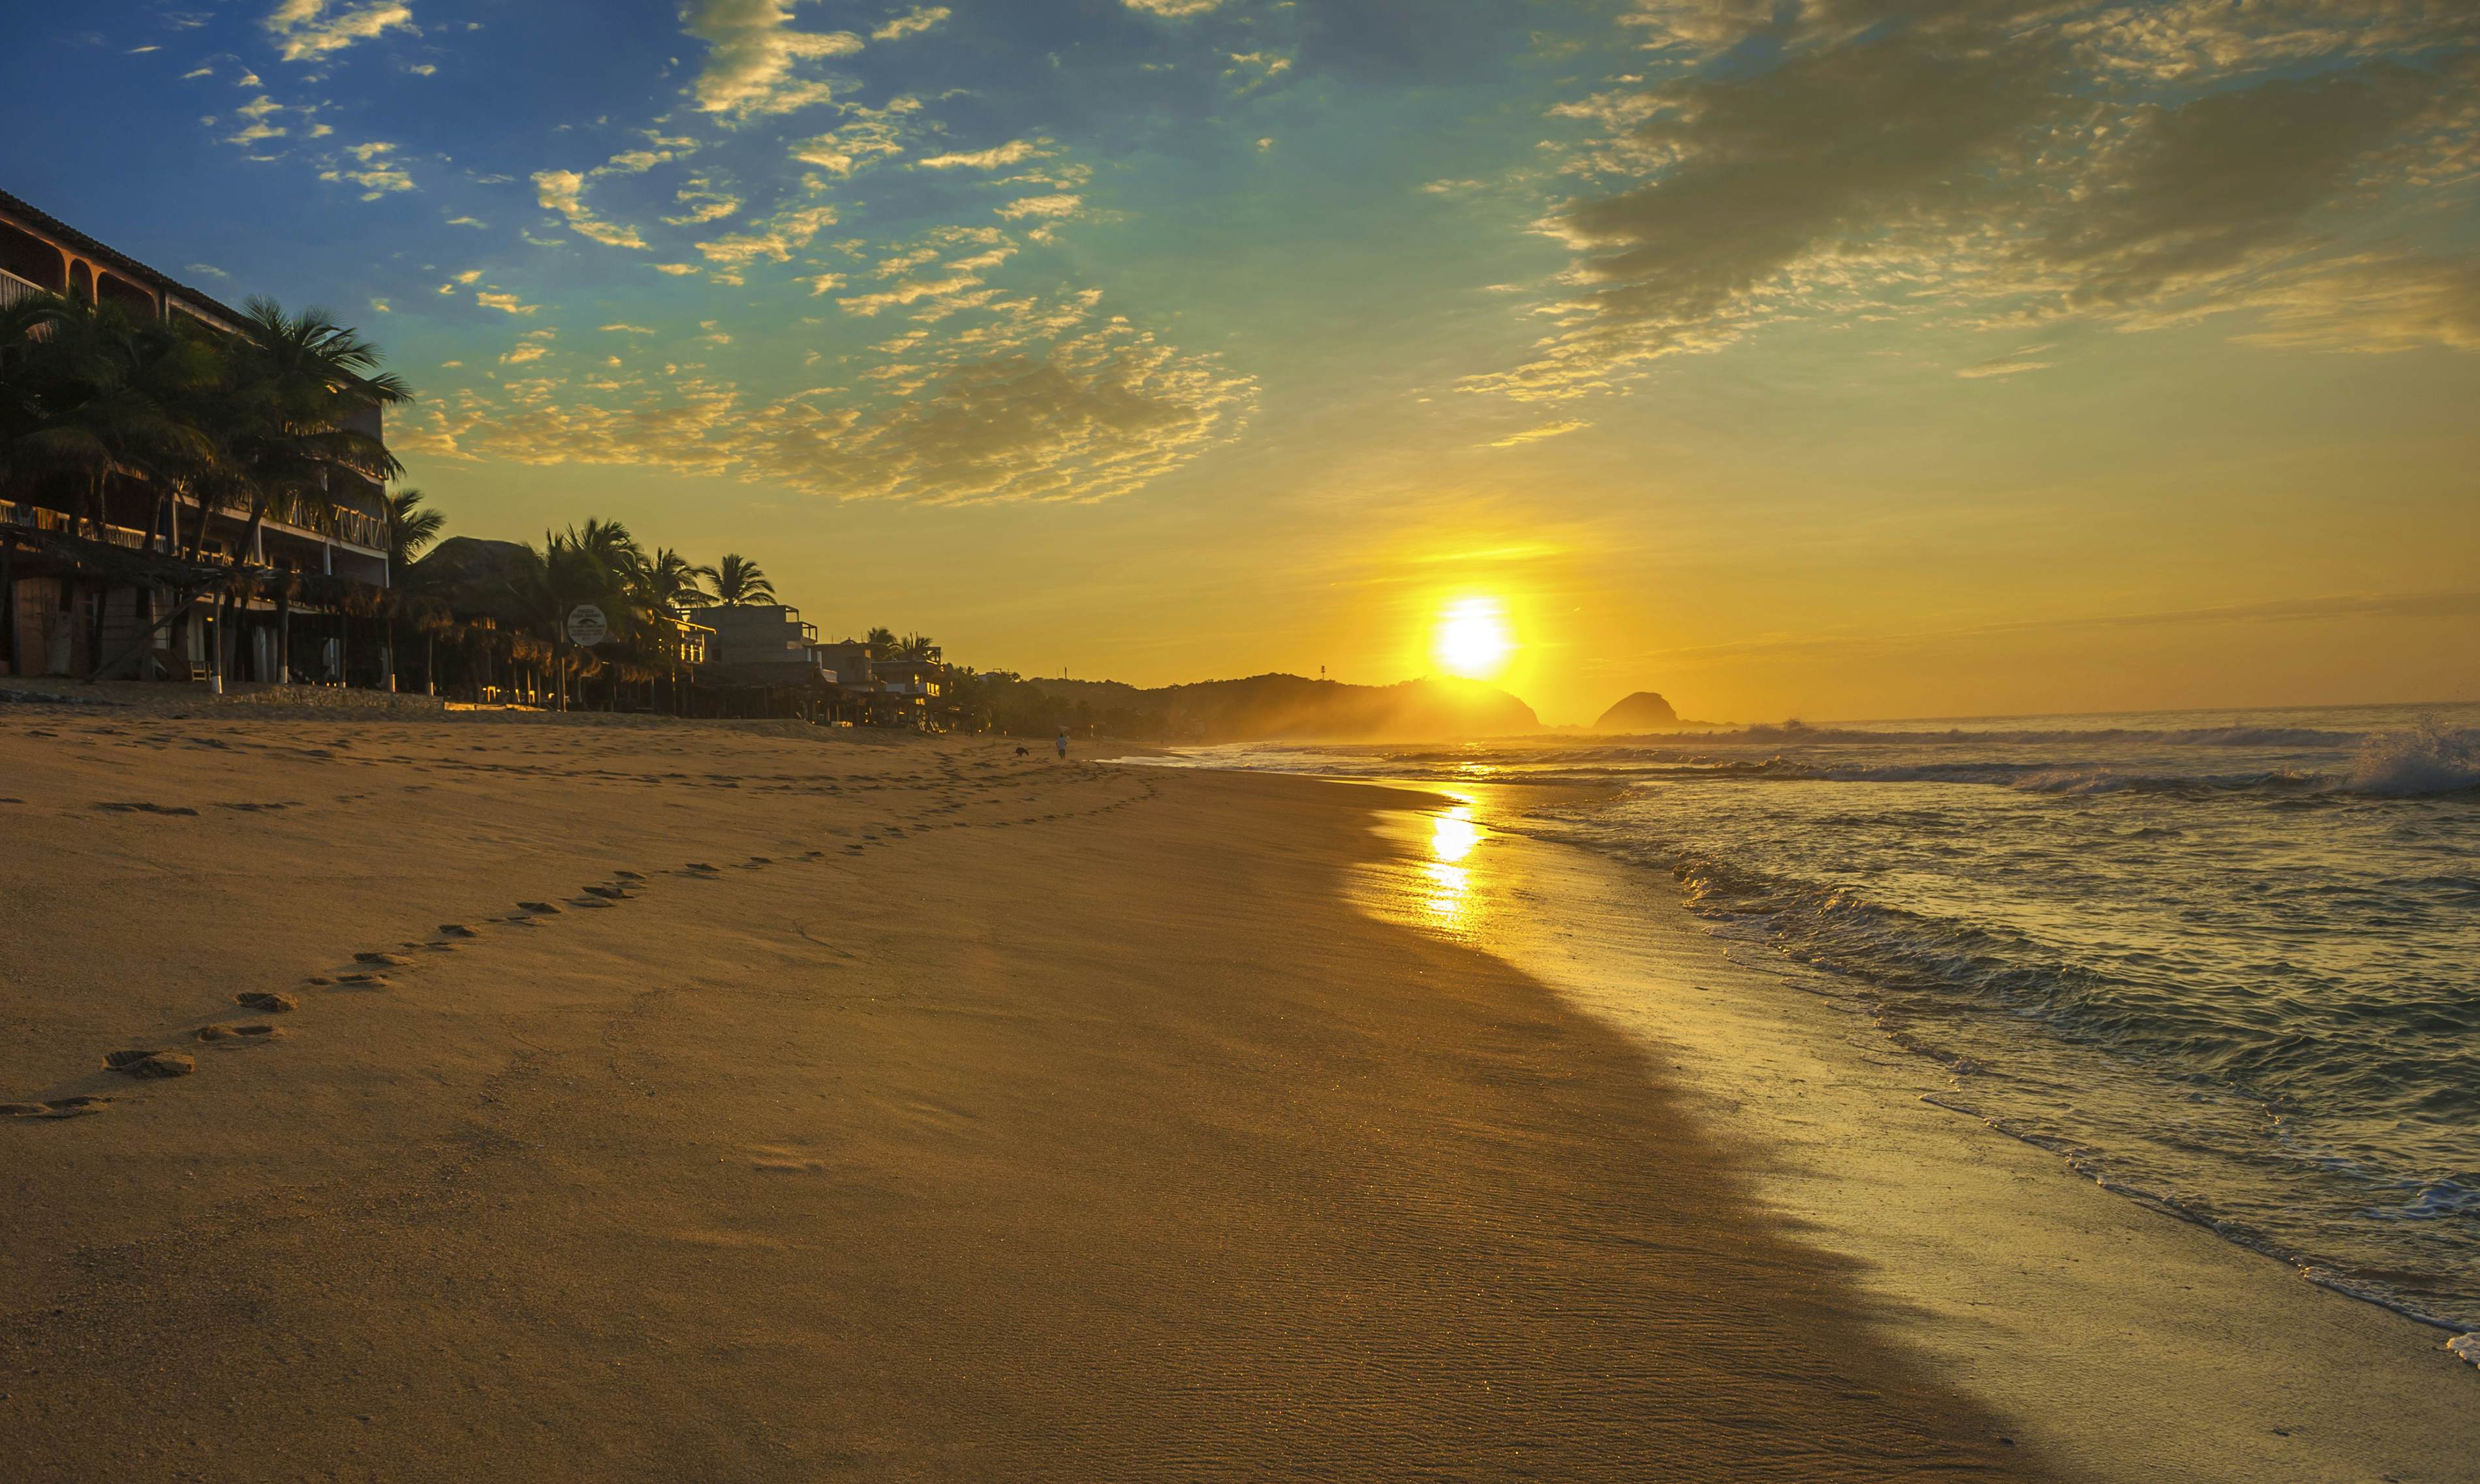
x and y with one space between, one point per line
1062 744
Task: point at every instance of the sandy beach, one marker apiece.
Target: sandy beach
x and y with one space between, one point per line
669 1101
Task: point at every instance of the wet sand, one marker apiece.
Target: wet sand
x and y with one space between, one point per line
2120 1342
846 1108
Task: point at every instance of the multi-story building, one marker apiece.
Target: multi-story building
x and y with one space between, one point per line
768 639
59 614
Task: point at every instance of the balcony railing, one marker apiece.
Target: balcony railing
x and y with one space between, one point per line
13 288
45 518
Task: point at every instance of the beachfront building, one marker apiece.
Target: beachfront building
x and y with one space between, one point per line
883 691
77 595
766 636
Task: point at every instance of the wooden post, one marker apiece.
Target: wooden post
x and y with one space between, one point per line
9 605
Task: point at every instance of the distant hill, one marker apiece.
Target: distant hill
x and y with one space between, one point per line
1644 711
1282 707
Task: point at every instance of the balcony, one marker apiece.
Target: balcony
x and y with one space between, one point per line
43 517
13 289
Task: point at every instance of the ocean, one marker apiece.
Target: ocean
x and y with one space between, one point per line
2225 963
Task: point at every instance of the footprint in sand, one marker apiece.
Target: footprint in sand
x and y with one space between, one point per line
396 960
457 930
627 876
265 1002
148 808
785 1161
608 893
700 865
231 1035
366 980
149 1064
58 1107
539 908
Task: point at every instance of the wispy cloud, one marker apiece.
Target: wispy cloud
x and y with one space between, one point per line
312 30
374 171
920 18
1013 152
1536 434
751 52
565 192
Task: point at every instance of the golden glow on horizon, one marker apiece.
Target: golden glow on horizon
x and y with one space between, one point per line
1472 640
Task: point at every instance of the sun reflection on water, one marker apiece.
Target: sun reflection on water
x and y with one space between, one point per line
1453 836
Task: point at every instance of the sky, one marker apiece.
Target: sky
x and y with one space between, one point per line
1821 358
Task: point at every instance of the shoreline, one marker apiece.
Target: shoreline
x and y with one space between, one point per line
2125 1340
769 1108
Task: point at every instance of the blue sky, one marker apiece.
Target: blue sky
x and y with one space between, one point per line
1780 356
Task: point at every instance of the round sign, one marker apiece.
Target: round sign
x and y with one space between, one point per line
587 625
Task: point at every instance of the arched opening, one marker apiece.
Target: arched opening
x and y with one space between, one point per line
25 256
82 281
113 288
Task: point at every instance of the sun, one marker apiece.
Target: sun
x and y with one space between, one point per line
1472 640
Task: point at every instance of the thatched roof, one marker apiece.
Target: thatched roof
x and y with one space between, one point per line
474 575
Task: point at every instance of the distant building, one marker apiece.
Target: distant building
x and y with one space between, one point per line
764 638
61 612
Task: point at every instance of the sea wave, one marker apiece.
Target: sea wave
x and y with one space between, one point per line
2422 762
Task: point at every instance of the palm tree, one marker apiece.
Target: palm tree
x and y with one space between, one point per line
409 528
668 582
881 642
284 441
917 649
93 393
738 581
297 382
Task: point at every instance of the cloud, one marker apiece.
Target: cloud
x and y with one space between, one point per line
208 268
305 31
466 222
776 239
1013 152
751 50
376 173
1536 434
1087 418
1259 67
871 133
2368 304
1046 205
565 192
704 204
628 329
1755 174
1175 9
676 270
504 301
2187 194
1915 158
2013 363
920 18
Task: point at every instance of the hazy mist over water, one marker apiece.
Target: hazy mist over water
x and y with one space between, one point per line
2225 963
